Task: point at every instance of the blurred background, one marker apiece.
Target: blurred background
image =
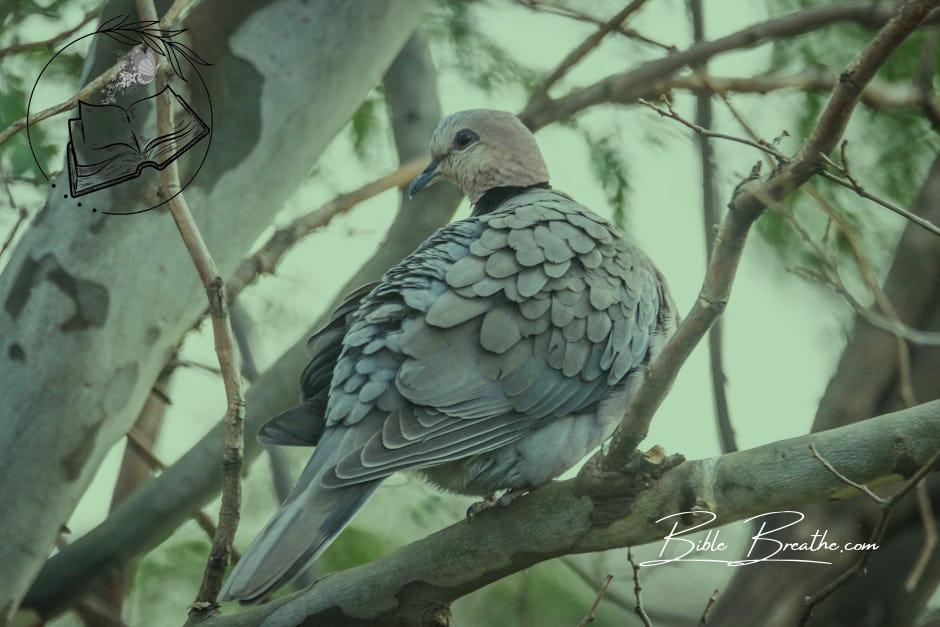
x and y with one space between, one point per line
783 333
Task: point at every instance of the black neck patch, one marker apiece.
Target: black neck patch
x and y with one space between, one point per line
496 196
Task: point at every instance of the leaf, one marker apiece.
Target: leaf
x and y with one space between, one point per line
122 37
364 121
115 22
611 172
190 54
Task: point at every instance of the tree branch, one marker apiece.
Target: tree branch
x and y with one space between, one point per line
748 203
267 258
579 52
44 43
559 519
627 86
225 347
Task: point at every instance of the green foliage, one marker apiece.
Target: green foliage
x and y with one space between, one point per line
354 547
476 57
15 154
365 122
611 172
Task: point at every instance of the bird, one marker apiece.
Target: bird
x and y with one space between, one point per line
491 360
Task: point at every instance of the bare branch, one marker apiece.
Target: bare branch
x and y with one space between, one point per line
886 505
638 591
929 522
752 198
593 40
51 41
710 218
626 87
708 608
225 347
266 259
548 6
589 618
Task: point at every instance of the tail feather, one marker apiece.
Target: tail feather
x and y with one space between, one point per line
308 521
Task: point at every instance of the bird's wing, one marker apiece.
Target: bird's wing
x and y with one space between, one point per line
303 425
532 312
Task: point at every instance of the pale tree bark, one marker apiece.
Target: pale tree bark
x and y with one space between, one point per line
165 503
157 508
87 320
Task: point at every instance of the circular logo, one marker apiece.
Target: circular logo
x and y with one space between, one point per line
115 151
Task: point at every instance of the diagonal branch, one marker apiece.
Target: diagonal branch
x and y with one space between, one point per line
592 41
749 202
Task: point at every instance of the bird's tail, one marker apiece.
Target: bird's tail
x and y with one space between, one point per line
310 518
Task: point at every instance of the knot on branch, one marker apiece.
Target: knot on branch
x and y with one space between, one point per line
614 491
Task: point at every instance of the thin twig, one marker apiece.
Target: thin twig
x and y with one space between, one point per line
206 603
887 506
571 13
845 180
858 486
929 522
156 465
592 41
669 112
637 590
708 608
50 41
96 84
589 618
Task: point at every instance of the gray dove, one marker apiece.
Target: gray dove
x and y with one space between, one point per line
491 360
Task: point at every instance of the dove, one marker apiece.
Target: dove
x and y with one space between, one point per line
489 361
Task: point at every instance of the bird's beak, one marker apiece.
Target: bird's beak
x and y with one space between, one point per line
425 179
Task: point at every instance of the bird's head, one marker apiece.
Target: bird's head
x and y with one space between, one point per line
480 149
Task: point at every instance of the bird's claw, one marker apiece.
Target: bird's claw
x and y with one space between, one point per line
480 506
491 501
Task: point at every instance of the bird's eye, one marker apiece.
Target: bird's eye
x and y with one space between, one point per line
464 138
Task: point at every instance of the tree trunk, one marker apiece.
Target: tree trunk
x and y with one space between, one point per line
155 510
93 305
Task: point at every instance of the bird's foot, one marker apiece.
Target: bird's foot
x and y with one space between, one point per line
492 501
480 506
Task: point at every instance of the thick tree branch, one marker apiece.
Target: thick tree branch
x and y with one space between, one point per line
748 203
425 576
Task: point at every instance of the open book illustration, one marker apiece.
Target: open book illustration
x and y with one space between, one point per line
107 145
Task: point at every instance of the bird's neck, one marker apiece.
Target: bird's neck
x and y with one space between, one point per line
495 196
